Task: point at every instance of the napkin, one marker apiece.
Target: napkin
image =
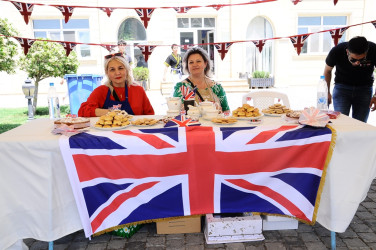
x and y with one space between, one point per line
64 129
182 121
313 117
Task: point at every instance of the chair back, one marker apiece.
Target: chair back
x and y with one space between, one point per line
264 98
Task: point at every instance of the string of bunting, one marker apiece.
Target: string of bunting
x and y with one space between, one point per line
222 47
145 13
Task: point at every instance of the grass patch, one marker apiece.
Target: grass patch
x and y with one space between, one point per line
13 117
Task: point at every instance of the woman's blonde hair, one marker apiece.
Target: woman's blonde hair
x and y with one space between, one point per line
122 60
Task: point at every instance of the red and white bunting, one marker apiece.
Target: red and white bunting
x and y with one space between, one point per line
25 9
295 2
67 11
145 15
25 43
298 42
223 48
187 46
335 2
68 46
259 44
337 34
146 50
110 48
182 9
217 7
108 11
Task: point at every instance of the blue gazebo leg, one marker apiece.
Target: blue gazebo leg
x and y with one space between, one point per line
333 239
50 245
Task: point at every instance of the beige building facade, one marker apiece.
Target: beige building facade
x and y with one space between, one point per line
238 23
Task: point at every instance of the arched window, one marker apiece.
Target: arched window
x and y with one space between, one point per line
259 28
132 30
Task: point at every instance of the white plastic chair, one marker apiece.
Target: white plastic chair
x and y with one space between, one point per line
263 99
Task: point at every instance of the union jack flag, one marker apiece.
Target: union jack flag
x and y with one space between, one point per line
259 44
110 48
223 48
68 46
337 34
145 15
125 176
25 9
374 24
25 43
298 42
108 11
187 92
295 2
67 11
182 9
146 50
182 121
335 2
216 6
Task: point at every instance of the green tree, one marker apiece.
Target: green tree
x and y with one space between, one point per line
47 59
8 48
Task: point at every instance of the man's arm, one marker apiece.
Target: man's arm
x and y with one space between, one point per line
328 78
372 105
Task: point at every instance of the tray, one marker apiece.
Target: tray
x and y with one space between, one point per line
112 128
249 118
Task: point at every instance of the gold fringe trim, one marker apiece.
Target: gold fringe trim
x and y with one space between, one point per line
143 222
323 176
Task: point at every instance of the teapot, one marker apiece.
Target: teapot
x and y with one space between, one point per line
173 103
193 111
206 105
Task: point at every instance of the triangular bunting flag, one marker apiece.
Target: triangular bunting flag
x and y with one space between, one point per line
335 2
25 9
298 42
67 11
217 7
110 48
25 43
295 2
108 11
182 121
222 48
68 46
182 9
259 44
146 50
337 34
187 46
145 15
374 23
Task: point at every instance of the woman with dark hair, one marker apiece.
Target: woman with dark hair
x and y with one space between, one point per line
197 64
119 90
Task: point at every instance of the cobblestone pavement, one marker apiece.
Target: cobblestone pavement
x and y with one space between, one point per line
361 234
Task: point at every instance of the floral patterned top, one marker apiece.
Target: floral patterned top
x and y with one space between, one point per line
184 88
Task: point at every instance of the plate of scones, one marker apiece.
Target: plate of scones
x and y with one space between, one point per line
113 121
247 112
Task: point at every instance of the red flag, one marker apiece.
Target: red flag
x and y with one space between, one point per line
110 48
295 2
298 42
223 48
374 23
25 43
68 46
182 9
145 15
146 50
337 34
67 11
217 6
108 11
25 9
259 44
335 2
187 46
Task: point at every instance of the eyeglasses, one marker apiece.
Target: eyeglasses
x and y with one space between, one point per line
112 55
353 60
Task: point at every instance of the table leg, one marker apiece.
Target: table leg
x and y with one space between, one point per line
50 245
333 239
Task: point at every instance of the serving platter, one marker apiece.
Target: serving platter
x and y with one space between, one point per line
112 128
274 115
249 118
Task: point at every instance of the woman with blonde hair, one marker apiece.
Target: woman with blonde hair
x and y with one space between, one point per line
119 91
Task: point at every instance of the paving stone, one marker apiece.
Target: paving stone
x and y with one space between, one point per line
116 244
304 228
64 239
354 243
309 237
139 236
321 231
261 247
77 245
369 204
348 234
365 215
293 241
361 209
288 233
28 242
274 246
175 236
196 247
39 245
272 236
97 246
103 238
315 245
62 246
368 237
194 239
175 243
360 228
155 248
155 241
137 245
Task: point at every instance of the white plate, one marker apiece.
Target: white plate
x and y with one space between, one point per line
145 126
112 128
274 115
210 118
249 118
255 122
224 124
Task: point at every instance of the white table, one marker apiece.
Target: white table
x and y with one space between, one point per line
37 201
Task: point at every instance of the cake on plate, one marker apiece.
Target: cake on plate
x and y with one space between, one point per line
77 122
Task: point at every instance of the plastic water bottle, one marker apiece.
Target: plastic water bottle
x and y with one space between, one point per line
53 102
322 94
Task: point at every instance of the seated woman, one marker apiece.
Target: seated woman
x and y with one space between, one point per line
119 89
197 65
